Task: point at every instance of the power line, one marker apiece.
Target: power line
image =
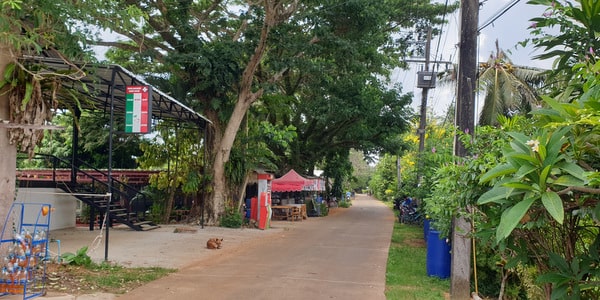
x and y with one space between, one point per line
497 15
437 49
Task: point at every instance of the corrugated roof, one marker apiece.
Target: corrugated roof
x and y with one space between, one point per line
104 82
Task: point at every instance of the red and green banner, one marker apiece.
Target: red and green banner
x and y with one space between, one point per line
138 112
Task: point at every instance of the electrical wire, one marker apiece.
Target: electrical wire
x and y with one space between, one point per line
497 15
437 50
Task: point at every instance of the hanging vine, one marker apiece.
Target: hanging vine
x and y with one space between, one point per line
33 98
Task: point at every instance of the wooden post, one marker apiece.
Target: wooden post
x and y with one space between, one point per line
467 72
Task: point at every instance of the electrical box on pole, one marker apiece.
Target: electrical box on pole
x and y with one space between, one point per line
426 79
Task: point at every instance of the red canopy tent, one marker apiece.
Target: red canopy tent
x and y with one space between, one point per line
290 182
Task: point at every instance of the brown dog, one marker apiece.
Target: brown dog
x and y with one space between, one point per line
214 243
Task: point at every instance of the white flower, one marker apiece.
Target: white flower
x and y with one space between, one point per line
534 144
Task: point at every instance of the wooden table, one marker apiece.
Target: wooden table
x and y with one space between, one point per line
282 212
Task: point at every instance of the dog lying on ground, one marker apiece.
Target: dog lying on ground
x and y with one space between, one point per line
214 243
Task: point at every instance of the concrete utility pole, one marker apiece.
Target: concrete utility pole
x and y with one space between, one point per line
423 120
426 81
467 72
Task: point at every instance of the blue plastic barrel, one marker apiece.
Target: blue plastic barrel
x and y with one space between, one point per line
426 226
438 256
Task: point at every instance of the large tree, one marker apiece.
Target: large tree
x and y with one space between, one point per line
340 96
204 52
222 56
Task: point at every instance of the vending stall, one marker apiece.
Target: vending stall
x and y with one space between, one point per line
258 200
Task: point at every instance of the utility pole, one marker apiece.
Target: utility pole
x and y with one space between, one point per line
423 120
425 80
467 72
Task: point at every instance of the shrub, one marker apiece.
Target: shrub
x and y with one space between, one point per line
345 204
231 218
81 258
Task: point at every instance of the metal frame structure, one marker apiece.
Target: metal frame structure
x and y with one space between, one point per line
104 84
102 88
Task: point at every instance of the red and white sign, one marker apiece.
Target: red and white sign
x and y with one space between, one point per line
138 109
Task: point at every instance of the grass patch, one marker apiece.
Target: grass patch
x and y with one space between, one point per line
406 276
116 277
102 277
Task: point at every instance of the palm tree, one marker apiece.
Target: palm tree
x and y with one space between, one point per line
508 89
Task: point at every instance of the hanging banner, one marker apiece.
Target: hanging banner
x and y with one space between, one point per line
138 109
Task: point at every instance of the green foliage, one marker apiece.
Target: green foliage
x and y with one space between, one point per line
81 258
490 273
575 42
116 277
105 277
362 112
93 141
527 276
384 178
455 186
445 200
362 172
344 204
570 279
231 218
324 209
453 192
157 211
254 149
419 168
543 205
176 152
509 89
536 169
337 168
37 26
30 28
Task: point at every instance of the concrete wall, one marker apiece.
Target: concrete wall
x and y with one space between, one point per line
63 205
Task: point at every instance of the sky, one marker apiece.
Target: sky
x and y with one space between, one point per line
509 29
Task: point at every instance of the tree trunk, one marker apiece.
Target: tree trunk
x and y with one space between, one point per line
169 205
221 156
8 159
222 144
213 141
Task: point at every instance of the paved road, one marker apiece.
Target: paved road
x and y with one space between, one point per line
341 256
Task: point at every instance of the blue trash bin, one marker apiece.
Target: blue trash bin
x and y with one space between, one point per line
426 226
438 256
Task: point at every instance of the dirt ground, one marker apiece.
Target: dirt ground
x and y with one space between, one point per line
170 246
